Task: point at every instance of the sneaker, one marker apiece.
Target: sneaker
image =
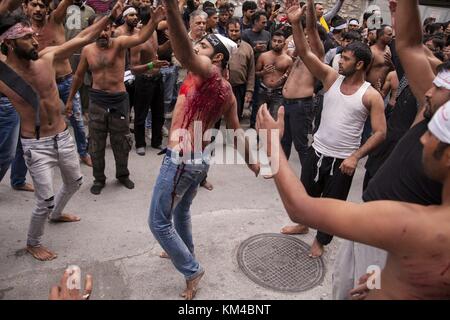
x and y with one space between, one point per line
97 187
165 131
140 151
127 182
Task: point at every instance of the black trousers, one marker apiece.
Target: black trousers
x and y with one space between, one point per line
298 118
239 92
149 94
329 183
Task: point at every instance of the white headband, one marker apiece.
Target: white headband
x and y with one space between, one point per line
442 80
440 123
129 11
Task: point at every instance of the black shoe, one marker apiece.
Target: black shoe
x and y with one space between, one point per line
127 182
97 187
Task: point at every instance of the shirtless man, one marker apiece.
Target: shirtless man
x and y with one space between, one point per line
149 91
109 104
381 62
50 32
390 88
348 101
298 100
273 68
204 97
45 139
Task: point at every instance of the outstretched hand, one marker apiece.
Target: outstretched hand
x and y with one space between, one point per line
269 125
295 13
62 292
158 14
116 11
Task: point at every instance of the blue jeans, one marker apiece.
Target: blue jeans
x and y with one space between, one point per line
173 193
76 120
169 78
10 147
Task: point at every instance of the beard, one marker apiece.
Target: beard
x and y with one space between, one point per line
347 73
277 50
31 54
132 24
102 42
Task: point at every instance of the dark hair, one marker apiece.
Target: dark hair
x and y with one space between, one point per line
210 11
439 55
438 42
443 67
352 36
361 52
278 33
380 32
323 34
208 4
367 15
428 21
224 7
257 15
6 22
433 28
248 5
45 2
233 21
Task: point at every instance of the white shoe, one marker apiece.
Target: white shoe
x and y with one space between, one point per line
140 151
165 132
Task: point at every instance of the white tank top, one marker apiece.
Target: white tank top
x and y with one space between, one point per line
342 122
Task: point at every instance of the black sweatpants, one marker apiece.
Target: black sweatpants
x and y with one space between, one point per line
331 182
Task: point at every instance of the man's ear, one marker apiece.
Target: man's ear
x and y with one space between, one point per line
360 65
218 57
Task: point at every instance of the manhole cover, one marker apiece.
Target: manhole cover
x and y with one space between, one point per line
280 262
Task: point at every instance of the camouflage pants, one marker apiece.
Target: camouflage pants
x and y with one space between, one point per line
102 122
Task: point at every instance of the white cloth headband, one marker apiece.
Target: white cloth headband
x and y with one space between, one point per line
130 10
442 80
440 123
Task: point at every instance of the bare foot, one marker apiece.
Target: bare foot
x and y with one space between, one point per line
205 184
316 249
25 187
297 229
164 255
41 253
66 218
191 287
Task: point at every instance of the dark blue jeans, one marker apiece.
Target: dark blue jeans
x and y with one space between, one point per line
170 217
298 118
10 148
76 120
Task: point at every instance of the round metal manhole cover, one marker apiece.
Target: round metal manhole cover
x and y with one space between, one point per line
280 262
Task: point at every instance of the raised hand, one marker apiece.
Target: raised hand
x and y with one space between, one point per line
117 9
158 14
295 13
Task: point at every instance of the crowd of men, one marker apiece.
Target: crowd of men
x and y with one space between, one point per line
141 71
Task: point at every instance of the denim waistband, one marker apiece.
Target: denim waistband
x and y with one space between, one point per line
50 140
63 78
192 155
293 101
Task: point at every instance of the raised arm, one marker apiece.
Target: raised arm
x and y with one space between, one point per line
333 12
182 46
9 5
78 78
321 71
85 37
313 34
59 14
380 224
410 50
157 15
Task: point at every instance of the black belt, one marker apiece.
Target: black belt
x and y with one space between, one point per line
292 101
